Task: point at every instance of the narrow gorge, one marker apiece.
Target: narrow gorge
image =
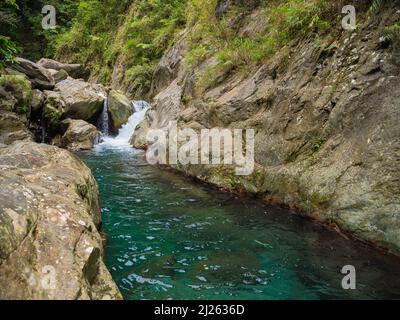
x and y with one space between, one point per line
84 215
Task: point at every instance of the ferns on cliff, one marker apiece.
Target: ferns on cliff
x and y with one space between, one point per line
283 21
376 4
151 30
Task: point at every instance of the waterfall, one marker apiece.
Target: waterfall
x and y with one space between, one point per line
126 132
103 123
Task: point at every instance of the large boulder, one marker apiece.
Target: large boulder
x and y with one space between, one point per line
50 246
81 99
72 99
79 135
40 77
74 70
120 109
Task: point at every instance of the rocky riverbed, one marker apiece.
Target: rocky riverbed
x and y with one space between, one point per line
50 218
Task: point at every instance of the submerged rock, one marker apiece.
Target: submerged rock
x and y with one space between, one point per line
120 109
79 135
50 247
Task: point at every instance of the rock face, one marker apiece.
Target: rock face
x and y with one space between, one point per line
40 77
79 135
120 109
74 70
15 100
49 211
326 120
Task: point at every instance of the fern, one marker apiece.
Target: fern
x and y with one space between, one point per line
393 32
375 6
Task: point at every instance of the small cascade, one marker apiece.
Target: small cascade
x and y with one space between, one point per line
127 131
103 124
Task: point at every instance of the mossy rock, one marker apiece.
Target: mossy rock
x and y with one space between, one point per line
120 109
19 88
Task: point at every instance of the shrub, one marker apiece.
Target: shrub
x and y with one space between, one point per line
8 51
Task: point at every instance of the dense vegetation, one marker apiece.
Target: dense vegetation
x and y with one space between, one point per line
20 23
133 35
137 32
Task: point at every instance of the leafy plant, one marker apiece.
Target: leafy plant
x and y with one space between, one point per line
8 51
393 32
376 4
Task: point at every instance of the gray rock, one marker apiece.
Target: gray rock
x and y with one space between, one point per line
79 135
50 247
76 71
120 109
74 99
59 75
37 100
40 77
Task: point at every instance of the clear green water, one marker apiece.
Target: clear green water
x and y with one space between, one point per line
170 238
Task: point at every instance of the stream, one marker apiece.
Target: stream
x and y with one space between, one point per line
172 238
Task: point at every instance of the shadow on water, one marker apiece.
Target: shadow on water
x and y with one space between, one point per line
170 238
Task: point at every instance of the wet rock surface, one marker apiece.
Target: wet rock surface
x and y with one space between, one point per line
120 109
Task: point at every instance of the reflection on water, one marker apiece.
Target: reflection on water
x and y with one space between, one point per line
172 239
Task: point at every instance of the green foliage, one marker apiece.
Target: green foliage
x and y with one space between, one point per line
287 20
375 6
139 78
151 30
8 51
18 83
392 32
90 39
139 32
21 20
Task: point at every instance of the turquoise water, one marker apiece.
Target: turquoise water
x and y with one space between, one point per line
170 238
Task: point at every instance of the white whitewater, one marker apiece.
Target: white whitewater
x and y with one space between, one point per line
121 141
